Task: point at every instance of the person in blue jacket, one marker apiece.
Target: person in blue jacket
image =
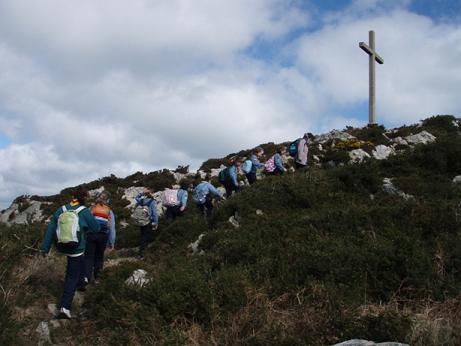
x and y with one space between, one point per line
255 164
75 271
173 211
278 162
146 198
97 242
231 183
203 197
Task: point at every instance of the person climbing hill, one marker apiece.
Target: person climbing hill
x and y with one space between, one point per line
203 197
145 216
68 228
302 152
175 201
255 165
97 242
229 177
275 166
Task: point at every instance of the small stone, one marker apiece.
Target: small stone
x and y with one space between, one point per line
259 212
194 246
457 179
52 309
234 222
138 278
316 158
43 333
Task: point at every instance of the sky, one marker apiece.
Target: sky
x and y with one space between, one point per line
92 88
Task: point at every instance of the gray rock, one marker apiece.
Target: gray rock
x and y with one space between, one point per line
43 333
391 189
52 309
194 246
423 137
138 278
455 123
259 212
79 299
316 158
358 155
382 152
95 192
55 324
233 221
335 134
32 213
357 342
457 179
399 141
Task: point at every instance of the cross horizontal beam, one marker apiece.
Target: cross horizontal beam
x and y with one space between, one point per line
370 51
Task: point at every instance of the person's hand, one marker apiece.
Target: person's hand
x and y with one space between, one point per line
182 209
154 226
110 248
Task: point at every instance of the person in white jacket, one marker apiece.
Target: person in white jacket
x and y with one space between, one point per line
303 150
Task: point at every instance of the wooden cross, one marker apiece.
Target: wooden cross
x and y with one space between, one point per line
370 50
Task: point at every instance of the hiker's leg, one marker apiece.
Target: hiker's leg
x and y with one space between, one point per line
73 274
251 178
82 279
99 253
208 205
90 250
169 213
229 189
144 238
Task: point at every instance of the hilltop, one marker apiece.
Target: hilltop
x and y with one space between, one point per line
363 245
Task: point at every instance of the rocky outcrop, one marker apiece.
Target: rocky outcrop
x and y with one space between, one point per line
358 155
32 213
333 135
423 137
382 152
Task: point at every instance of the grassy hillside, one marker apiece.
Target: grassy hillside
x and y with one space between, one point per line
329 256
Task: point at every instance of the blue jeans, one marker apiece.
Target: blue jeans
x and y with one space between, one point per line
75 276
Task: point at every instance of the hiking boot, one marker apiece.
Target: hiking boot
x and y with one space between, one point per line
64 314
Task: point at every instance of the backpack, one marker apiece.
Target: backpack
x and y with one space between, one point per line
68 230
101 213
293 148
199 195
224 175
170 198
141 215
270 165
247 166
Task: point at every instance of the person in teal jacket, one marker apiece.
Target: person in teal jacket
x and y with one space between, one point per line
75 271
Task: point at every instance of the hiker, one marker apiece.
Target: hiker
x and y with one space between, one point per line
203 197
274 166
97 242
301 152
145 216
228 177
255 165
68 228
175 201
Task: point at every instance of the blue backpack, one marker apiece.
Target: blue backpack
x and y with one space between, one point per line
293 148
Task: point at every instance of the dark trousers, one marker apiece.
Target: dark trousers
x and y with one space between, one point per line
300 166
230 187
75 277
172 212
251 178
94 254
146 237
206 208
276 172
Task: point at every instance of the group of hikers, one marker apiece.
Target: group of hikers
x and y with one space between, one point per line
84 234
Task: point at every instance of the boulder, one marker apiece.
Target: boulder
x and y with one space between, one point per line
457 179
358 155
335 134
399 141
423 137
382 152
32 213
138 278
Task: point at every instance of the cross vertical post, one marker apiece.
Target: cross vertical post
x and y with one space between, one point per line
373 56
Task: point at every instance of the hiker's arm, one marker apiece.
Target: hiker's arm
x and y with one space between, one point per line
112 233
233 175
256 163
184 197
153 212
139 197
50 234
215 191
